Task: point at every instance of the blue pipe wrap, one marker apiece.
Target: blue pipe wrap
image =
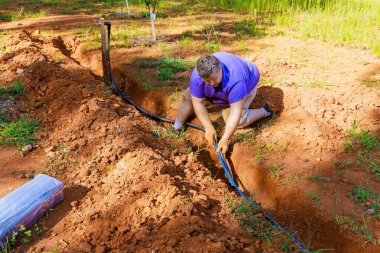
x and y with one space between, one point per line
25 205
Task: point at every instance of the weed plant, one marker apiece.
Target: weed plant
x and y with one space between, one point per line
314 197
361 194
17 88
19 133
367 148
249 217
247 27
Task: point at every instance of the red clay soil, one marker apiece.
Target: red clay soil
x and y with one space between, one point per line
128 191
125 190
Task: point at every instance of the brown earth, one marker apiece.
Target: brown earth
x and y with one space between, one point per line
126 190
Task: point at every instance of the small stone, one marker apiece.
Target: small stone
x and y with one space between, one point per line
370 211
203 197
20 71
318 159
367 203
123 229
74 203
27 148
177 161
85 247
38 104
82 142
100 249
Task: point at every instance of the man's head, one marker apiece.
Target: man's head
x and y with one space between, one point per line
210 69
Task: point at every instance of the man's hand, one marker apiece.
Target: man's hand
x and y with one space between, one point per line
210 135
222 145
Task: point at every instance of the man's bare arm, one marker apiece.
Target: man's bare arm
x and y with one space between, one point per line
201 111
233 119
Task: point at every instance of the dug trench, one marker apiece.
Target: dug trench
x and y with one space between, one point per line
128 189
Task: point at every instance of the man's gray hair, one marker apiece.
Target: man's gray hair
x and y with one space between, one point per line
208 64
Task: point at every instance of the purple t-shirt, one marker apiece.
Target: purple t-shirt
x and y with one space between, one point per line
239 78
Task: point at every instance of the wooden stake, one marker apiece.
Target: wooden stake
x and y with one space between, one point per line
128 11
105 52
152 18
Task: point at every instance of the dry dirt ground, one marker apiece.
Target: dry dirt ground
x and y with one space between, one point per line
132 187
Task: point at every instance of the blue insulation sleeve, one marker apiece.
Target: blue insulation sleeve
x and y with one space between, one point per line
25 205
267 216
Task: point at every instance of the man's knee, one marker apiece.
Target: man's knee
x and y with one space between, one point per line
187 94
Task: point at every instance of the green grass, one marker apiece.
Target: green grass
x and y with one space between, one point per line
359 230
317 178
373 166
165 74
17 88
165 133
18 15
19 133
347 22
367 148
372 83
247 27
177 65
275 170
167 67
250 218
361 194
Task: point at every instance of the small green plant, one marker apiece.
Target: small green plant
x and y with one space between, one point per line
342 165
286 247
17 88
37 229
249 216
373 167
19 133
363 138
212 47
244 137
177 65
149 85
314 197
318 178
314 178
165 74
361 194
2 115
156 132
275 170
247 27
359 230
25 238
347 145
58 56
107 90
260 153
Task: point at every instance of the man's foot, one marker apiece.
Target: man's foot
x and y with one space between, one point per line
177 131
270 108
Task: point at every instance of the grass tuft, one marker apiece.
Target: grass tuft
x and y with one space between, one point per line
19 133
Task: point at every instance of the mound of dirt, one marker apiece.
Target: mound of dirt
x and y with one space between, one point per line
124 189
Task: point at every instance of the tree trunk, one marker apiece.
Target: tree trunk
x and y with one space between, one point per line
152 18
